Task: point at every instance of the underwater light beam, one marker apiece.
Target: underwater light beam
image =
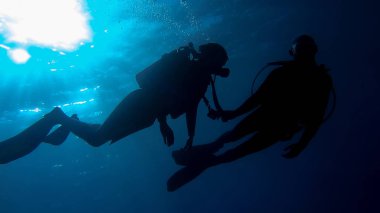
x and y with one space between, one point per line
59 24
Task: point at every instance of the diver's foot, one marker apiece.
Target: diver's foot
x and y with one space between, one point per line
58 136
74 116
56 115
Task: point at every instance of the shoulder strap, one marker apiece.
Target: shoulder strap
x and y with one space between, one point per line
212 113
274 63
214 96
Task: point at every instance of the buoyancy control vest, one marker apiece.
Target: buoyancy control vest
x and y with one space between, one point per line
321 67
166 74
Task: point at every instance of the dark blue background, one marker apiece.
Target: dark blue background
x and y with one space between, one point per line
338 172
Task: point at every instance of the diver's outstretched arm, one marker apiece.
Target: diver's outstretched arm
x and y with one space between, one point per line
26 141
88 132
135 112
254 100
248 105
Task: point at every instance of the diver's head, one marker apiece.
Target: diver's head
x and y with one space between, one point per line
214 56
304 48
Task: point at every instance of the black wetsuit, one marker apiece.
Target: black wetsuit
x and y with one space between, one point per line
188 89
292 96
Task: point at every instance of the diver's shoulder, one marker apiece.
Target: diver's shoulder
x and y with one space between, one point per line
283 67
323 70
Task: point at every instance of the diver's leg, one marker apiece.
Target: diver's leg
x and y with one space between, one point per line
197 153
255 144
188 173
245 127
202 152
205 155
88 132
134 113
199 162
26 141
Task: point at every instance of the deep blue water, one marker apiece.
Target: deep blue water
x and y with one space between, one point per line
338 172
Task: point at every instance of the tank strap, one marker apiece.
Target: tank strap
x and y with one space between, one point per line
274 63
213 113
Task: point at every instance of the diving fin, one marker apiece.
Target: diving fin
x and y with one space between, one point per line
184 176
196 155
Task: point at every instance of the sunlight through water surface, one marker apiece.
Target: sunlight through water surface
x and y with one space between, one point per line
59 24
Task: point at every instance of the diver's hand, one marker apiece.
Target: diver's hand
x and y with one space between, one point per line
227 115
189 143
167 134
292 151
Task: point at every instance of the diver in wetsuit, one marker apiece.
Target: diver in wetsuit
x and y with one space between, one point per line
173 92
293 97
143 106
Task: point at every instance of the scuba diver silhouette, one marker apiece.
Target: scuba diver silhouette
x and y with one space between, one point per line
292 98
174 85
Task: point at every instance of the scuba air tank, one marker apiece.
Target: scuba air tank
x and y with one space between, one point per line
167 71
167 75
